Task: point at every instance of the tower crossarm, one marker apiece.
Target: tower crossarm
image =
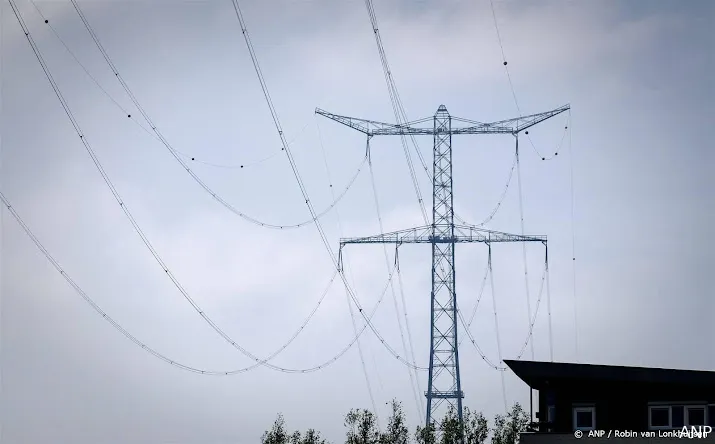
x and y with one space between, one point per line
519 124
510 126
375 128
425 235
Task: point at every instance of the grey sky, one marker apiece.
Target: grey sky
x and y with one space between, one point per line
638 77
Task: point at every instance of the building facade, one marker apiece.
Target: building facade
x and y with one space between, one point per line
646 405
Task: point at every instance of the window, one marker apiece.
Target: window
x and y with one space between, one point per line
584 418
695 416
659 417
676 416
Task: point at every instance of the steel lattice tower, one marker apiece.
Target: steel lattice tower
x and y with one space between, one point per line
444 382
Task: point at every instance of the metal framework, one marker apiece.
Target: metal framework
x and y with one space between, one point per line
444 382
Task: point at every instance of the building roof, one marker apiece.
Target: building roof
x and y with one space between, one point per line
540 374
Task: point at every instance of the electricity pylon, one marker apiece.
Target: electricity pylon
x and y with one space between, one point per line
444 382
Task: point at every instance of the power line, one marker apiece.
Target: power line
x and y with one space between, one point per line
413 374
151 350
396 106
135 225
347 296
401 116
177 155
532 323
548 305
508 74
523 245
479 298
496 324
193 157
543 157
502 196
303 191
573 243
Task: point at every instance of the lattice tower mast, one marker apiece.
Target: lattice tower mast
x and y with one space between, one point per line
444 384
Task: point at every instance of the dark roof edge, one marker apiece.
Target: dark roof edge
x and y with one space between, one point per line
536 373
605 366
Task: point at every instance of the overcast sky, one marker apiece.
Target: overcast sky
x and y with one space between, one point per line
637 74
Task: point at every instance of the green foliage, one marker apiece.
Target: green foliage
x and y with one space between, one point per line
362 427
449 427
311 437
279 435
507 427
475 431
476 427
396 432
426 435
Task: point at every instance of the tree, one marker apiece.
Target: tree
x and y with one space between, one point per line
311 437
396 432
362 427
277 434
449 426
508 427
426 435
476 427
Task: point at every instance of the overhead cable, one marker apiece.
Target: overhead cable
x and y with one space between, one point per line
137 228
414 385
523 244
496 323
347 295
156 133
304 192
532 323
151 350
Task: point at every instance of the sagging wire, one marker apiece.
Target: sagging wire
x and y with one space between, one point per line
418 398
347 295
532 320
153 351
242 165
177 155
401 117
501 197
479 299
523 244
407 324
412 373
304 192
548 303
513 90
558 147
496 323
573 245
396 107
362 358
543 157
137 122
107 180
532 323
